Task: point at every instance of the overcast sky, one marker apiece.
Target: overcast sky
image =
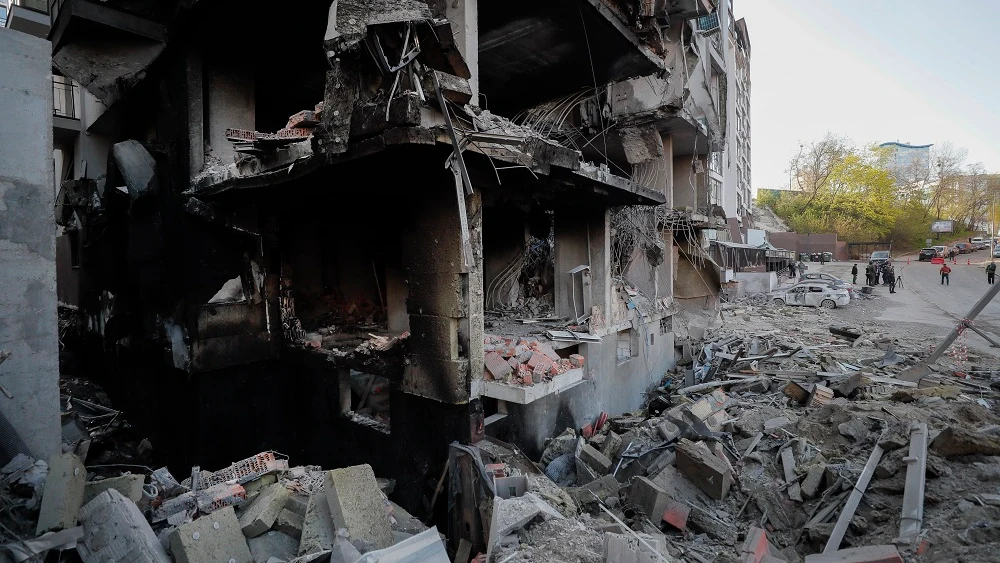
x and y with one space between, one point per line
916 71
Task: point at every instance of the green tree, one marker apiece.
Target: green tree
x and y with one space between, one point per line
842 189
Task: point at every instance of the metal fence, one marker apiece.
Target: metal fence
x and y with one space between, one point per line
64 95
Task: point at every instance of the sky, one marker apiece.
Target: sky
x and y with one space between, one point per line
914 71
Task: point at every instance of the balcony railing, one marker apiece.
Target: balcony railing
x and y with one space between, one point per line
64 95
40 6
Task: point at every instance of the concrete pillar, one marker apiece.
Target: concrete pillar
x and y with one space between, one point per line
464 18
231 101
442 288
28 319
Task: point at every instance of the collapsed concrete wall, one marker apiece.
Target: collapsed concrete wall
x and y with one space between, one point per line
28 322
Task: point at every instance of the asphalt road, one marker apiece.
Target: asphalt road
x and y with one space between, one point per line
924 300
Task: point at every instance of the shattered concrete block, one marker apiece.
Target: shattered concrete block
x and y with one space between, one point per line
649 498
588 496
273 544
596 459
289 523
811 485
318 530
704 469
584 473
774 424
612 442
622 548
867 554
259 515
510 515
668 430
115 531
62 496
297 503
213 537
130 486
356 504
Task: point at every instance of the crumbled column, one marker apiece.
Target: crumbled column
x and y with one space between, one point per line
213 537
356 504
115 530
62 496
130 486
263 510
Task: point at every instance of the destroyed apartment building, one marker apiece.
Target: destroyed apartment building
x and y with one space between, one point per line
451 215
356 232
408 280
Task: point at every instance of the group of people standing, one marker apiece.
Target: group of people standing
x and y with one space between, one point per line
875 271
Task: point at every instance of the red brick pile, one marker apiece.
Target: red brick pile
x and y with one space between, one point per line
524 361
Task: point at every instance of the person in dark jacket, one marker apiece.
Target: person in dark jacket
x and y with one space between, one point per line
991 272
791 270
889 276
854 272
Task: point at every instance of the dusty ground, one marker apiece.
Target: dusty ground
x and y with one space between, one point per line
961 520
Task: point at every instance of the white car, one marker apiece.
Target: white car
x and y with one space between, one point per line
823 277
811 294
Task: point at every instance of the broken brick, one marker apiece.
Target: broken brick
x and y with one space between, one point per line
497 367
577 360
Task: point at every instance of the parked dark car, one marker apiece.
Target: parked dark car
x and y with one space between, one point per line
963 247
880 257
927 254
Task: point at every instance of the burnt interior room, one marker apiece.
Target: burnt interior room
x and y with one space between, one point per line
518 260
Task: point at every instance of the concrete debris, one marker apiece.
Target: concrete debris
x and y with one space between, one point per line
357 505
63 493
114 530
215 537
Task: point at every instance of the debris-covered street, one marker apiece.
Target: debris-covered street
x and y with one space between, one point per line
457 281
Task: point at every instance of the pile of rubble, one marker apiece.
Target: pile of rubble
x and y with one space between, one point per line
257 510
525 361
784 445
